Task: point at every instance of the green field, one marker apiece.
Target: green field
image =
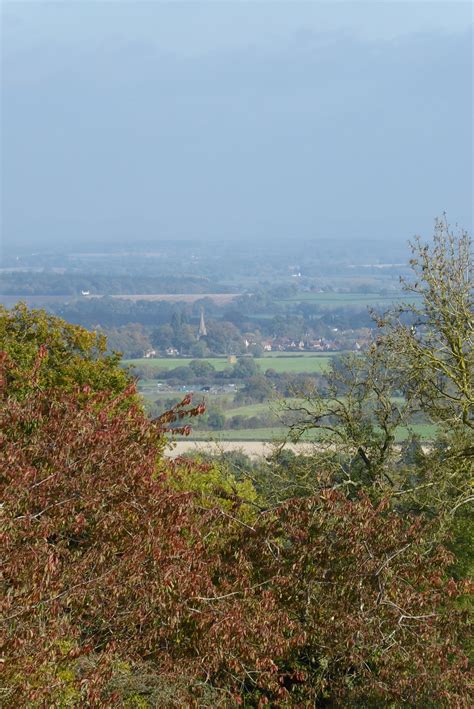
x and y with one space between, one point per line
294 355
244 434
335 300
425 431
295 364
280 362
249 410
166 363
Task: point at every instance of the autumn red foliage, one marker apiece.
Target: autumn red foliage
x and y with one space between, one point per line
117 585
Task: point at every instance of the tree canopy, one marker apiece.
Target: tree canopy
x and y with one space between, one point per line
420 367
69 355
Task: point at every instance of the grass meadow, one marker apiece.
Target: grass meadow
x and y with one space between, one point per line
337 300
280 362
426 432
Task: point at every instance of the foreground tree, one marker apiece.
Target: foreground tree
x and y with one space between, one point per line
420 368
435 347
71 356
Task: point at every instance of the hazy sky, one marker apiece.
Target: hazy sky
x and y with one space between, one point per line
129 120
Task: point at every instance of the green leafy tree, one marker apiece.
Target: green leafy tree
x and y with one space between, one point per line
224 338
245 367
130 341
202 369
421 365
71 356
257 388
199 349
163 336
216 420
433 337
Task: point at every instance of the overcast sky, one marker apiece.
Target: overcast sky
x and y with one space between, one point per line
129 120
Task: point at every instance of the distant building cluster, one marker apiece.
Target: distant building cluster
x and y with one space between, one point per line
231 341
286 344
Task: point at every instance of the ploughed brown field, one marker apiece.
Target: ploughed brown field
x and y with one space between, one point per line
181 297
254 449
39 301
